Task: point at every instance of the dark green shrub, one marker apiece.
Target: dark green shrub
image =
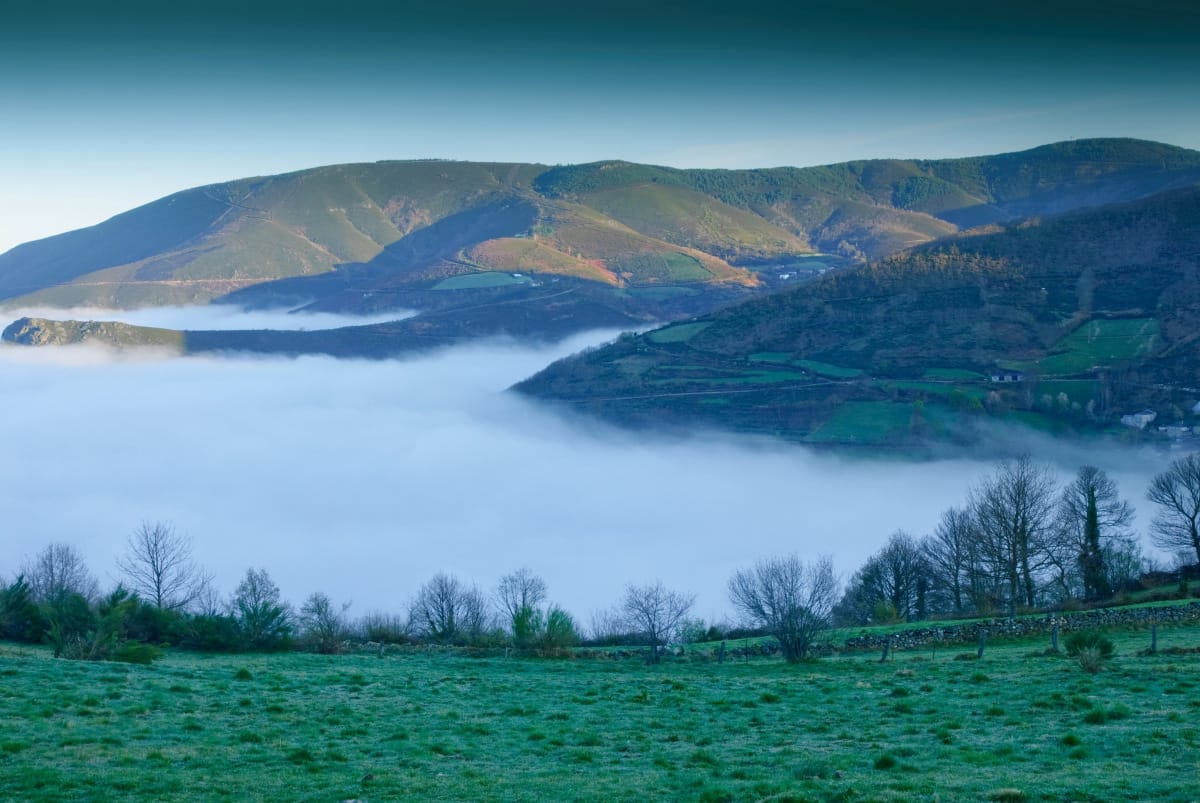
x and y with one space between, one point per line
70 623
212 633
134 653
384 628
153 625
20 619
526 625
1085 639
559 631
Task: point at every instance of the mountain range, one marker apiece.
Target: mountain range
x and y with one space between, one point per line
650 242
870 301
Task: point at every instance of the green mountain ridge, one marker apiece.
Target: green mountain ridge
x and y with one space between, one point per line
360 237
1093 314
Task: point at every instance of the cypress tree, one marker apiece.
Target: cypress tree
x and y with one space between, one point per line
1095 584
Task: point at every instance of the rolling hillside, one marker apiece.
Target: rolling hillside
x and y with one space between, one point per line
364 235
1080 318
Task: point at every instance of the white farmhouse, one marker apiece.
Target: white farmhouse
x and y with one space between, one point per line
1139 420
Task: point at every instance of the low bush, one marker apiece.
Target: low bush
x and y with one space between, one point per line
1089 638
1090 648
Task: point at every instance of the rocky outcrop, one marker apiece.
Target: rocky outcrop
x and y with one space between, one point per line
47 332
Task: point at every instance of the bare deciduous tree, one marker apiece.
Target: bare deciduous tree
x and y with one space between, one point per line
1092 516
897 576
952 555
264 618
1014 511
322 624
518 597
1176 526
608 625
58 570
792 599
446 610
158 565
655 612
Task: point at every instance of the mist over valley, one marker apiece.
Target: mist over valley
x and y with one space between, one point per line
363 478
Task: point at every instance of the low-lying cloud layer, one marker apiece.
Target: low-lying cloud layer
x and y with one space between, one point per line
212 317
362 479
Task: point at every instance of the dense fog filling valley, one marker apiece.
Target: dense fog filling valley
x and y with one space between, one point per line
362 479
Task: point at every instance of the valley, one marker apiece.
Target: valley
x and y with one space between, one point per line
882 304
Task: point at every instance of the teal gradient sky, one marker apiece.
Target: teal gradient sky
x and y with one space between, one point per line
102 109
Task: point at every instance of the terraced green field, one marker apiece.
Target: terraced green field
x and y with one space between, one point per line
430 725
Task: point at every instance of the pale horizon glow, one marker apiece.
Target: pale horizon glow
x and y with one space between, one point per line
106 111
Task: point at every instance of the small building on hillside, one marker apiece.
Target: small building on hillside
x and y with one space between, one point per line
1007 376
1175 431
1139 420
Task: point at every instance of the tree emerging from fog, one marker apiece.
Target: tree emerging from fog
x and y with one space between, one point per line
1176 491
892 585
655 612
446 610
791 599
1014 512
158 566
1093 531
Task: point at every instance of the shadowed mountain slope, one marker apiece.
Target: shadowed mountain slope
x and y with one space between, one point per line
1064 323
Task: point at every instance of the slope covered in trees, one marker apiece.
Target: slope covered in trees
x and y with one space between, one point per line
1065 323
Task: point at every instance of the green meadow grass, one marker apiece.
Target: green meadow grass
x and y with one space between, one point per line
475 281
1100 342
864 422
679 333
827 369
1016 725
953 373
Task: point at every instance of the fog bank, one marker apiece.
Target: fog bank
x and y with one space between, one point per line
364 478
210 317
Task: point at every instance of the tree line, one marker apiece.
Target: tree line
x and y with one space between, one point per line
1021 540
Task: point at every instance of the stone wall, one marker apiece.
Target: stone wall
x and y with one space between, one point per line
1027 626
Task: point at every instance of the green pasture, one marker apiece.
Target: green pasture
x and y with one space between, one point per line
828 369
937 388
954 374
679 333
865 422
435 725
771 356
1100 342
476 281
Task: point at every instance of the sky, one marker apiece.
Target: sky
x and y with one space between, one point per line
363 479
107 106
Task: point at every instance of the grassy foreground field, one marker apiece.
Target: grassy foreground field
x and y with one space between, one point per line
1015 725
